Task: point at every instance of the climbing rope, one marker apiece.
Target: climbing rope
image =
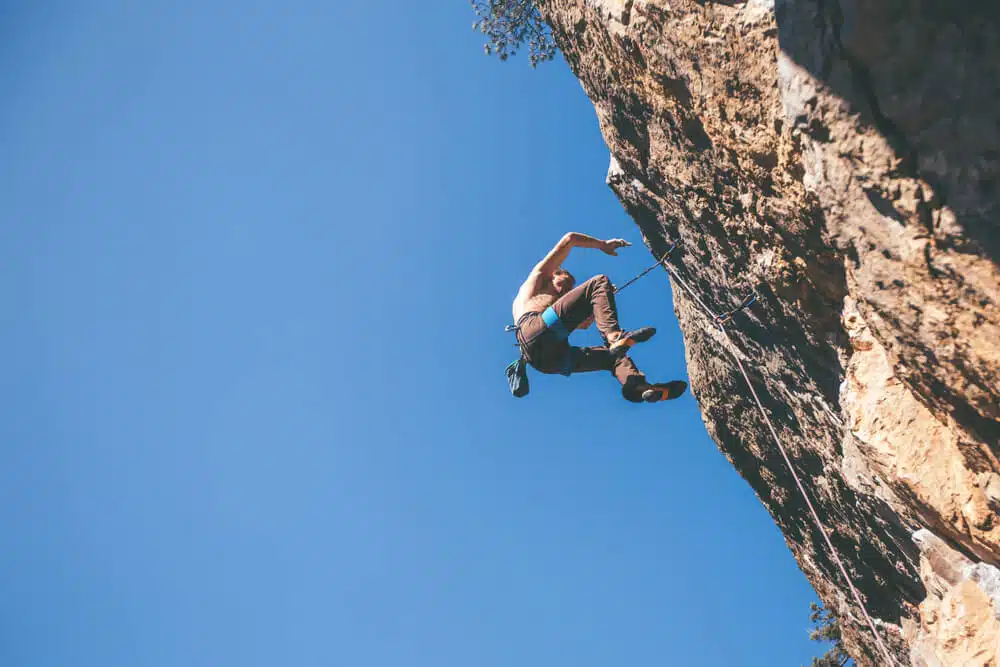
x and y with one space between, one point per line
720 321
658 263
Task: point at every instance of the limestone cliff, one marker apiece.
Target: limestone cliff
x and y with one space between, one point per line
840 158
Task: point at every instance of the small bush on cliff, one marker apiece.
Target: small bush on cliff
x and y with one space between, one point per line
509 24
827 629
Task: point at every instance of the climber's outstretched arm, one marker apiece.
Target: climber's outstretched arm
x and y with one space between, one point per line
560 251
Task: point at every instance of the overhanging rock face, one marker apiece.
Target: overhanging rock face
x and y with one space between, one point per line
841 158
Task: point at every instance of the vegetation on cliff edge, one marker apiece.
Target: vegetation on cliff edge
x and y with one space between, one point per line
827 629
509 25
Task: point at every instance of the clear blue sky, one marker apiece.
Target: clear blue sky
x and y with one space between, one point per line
257 259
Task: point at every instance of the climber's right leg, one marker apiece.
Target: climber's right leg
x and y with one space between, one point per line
597 297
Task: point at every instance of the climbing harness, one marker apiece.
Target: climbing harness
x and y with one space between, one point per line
720 321
552 324
517 375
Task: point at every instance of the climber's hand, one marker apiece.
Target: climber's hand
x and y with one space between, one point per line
611 246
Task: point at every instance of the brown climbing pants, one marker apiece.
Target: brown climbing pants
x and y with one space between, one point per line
549 353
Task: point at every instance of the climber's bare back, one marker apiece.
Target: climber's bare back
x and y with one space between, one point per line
535 295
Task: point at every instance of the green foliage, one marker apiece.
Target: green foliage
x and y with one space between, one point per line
827 629
509 25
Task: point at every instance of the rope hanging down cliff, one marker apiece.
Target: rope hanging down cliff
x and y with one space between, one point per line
720 322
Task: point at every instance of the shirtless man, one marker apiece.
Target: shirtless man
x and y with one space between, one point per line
548 307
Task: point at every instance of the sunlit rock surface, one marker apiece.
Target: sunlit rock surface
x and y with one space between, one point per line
841 159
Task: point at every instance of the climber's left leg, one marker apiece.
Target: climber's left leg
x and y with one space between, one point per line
632 380
596 298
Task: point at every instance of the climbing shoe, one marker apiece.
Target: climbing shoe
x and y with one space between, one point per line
620 347
665 391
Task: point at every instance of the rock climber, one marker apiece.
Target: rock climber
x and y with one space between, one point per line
548 307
